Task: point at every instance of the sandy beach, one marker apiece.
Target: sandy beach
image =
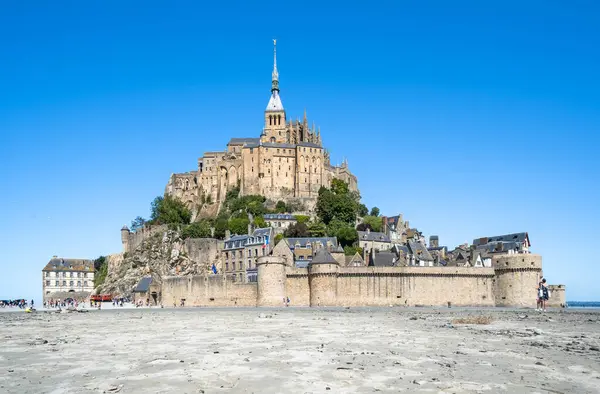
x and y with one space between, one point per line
358 350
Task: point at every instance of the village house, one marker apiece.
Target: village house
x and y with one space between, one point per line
241 252
62 275
279 221
369 240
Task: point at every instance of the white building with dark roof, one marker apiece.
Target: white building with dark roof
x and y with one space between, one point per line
62 275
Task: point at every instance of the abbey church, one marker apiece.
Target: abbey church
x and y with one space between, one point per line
286 162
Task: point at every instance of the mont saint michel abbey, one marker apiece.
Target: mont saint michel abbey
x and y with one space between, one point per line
286 162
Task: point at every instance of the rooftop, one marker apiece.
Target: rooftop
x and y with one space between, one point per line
373 236
278 216
61 264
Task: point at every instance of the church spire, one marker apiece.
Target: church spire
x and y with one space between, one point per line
275 102
275 75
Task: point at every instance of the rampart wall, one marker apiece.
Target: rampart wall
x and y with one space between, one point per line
132 240
557 296
207 290
510 282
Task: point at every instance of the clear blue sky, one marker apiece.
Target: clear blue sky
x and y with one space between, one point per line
472 118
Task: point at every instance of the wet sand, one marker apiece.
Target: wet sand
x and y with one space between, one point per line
358 350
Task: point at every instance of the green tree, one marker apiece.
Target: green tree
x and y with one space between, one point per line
199 229
297 230
374 211
221 226
352 250
101 271
280 207
325 207
278 238
98 262
364 227
317 229
302 218
259 222
137 223
339 187
169 210
362 210
347 236
373 221
239 225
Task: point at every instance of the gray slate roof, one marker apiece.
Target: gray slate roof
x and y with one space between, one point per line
323 257
60 264
383 259
419 251
516 237
372 236
303 241
143 285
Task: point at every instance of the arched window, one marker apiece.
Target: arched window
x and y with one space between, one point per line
273 139
279 120
270 120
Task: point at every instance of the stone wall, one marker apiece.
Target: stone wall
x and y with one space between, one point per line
557 296
296 285
81 296
207 290
517 278
134 239
330 285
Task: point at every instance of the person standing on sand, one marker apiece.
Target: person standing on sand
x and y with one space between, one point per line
545 294
539 295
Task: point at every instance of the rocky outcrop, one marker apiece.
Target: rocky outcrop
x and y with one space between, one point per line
160 255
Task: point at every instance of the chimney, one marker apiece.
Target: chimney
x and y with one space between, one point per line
249 228
368 230
384 227
212 232
227 234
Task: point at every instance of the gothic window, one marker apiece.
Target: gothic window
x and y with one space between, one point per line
270 120
279 120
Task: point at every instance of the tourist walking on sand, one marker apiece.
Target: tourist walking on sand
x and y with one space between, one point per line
545 294
539 295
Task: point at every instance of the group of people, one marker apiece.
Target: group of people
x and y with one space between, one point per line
119 301
543 295
21 304
58 303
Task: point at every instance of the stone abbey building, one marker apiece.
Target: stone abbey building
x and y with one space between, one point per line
286 162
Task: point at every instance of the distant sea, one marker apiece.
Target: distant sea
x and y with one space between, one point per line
583 304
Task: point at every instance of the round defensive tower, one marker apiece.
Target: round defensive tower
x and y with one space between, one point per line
517 277
322 279
271 281
125 238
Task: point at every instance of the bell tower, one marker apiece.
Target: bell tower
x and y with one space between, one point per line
275 122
